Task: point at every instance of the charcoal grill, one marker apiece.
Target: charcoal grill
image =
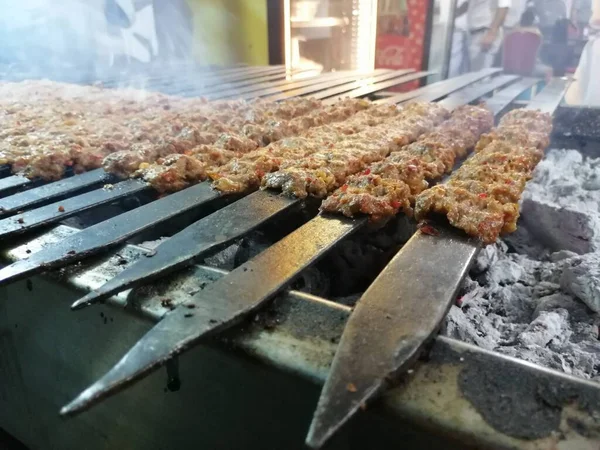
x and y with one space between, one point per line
297 332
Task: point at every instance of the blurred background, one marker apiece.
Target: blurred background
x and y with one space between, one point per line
85 40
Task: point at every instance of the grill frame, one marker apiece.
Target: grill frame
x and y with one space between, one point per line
294 327
292 341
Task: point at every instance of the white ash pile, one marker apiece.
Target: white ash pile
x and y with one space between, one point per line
536 296
561 206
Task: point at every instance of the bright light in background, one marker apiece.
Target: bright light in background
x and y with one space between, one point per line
364 34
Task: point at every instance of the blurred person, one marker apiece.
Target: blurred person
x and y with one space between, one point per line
581 11
459 51
485 19
78 40
512 22
549 12
521 48
585 91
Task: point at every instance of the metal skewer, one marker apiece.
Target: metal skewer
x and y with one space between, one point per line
103 235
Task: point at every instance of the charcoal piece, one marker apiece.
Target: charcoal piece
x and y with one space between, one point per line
560 228
546 327
581 278
560 205
534 303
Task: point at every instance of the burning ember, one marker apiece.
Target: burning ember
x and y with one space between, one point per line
536 295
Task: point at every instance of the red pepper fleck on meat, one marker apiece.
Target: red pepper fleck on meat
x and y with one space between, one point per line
367 172
344 188
483 195
395 204
428 229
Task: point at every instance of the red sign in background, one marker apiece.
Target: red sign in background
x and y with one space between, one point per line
401 36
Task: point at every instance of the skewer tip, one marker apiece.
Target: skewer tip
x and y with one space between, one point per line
78 404
318 435
90 299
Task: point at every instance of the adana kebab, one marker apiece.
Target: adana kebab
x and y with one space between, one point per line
190 162
388 186
321 163
482 196
47 126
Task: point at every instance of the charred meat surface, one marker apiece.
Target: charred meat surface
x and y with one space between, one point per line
389 186
231 146
49 126
482 196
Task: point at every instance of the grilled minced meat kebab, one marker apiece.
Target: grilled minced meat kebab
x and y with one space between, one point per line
482 196
362 158
188 160
388 186
47 127
320 162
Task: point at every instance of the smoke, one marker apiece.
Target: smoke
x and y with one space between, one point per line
82 40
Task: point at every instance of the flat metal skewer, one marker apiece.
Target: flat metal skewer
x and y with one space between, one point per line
13 182
398 314
440 89
100 237
220 305
55 212
334 94
199 239
35 196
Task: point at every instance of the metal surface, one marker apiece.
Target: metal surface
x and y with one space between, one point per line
351 84
275 96
280 86
55 212
13 182
101 236
398 314
472 93
35 196
454 393
220 305
199 239
391 322
441 88
550 96
342 92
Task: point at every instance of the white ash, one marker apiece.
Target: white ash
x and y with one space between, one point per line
536 295
582 279
560 205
